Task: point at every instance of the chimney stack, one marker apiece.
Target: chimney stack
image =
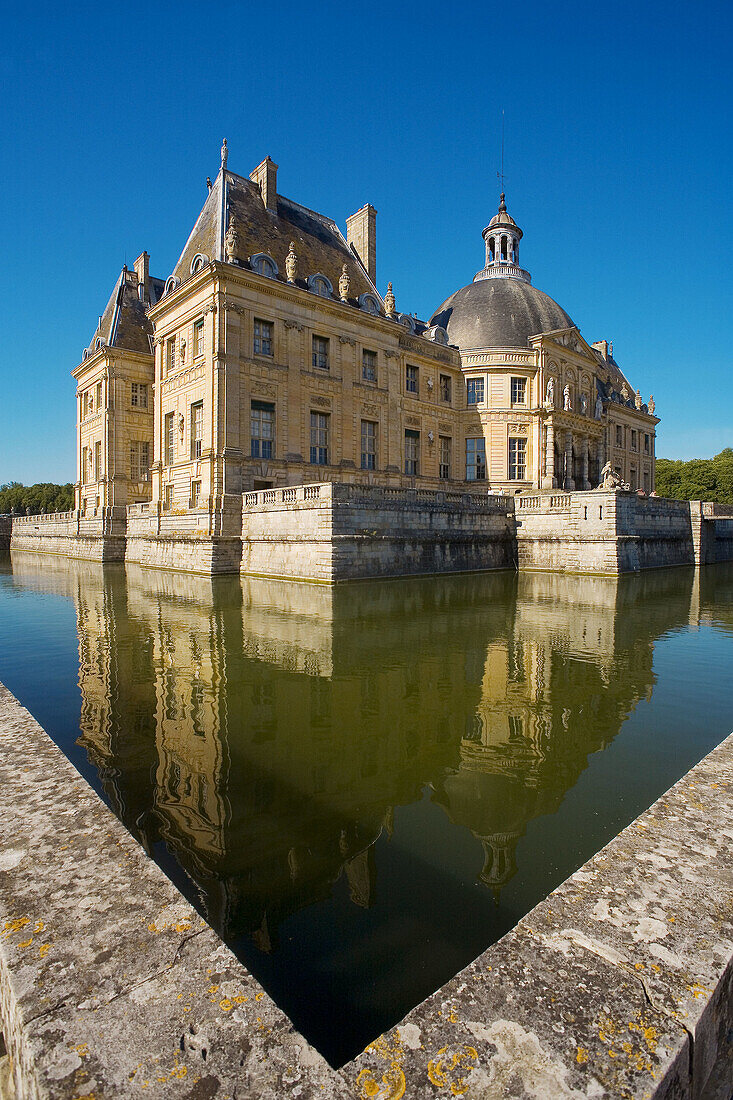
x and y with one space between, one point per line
143 274
265 176
361 232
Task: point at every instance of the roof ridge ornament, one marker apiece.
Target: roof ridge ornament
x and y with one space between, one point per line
231 239
389 301
291 263
224 153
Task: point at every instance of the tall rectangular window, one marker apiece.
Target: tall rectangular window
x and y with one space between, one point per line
170 355
263 337
197 429
84 465
99 395
368 445
647 442
446 389
634 440
476 459
139 460
369 365
262 429
169 438
445 457
412 452
320 353
98 461
319 438
519 391
198 338
169 495
139 395
195 494
517 459
412 379
474 391
619 436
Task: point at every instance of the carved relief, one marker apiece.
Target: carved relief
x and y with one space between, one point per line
293 324
443 427
264 388
413 421
518 429
323 402
370 410
347 340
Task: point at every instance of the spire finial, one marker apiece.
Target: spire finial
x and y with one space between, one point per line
224 153
502 203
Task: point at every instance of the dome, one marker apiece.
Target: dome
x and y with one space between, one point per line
499 313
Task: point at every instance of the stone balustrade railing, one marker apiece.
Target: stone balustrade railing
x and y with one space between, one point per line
295 494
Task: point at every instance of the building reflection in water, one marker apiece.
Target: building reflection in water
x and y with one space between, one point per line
270 733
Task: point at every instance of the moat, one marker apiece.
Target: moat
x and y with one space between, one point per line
361 788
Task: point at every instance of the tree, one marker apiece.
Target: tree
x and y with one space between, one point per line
698 479
44 497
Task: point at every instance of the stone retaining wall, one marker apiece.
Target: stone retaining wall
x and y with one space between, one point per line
206 540
6 527
99 537
619 984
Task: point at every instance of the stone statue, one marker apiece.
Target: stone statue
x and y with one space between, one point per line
566 402
637 400
209 184
344 284
291 263
550 398
610 479
224 153
650 404
599 407
389 301
231 240
583 404
625 392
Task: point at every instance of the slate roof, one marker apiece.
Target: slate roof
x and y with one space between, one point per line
124 323
319 244
500 313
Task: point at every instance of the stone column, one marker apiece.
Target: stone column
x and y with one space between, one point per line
601 452
568 482
584 481
549 481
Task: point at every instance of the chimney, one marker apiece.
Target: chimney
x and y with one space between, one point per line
265 176
361 232
142 272
602 346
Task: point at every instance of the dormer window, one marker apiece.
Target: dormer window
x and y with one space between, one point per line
264 264
407 321
198 263
369 304
98 343
171 284
320 285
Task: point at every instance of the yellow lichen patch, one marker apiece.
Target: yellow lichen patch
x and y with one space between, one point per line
39 926
226 1005
183 926
450 1068
638 966
581 1056
392 1087
26 943
259 996
697 991
15 925
153 927
82 1049
44 949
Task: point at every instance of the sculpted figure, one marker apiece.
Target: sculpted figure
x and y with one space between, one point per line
224 153
583 404
610 479
291 263
344 284
550 398
650 404
566 404
389 301
637 399
231 240
599 407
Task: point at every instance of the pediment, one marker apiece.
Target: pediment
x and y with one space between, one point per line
566 340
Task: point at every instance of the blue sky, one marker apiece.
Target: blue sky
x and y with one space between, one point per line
618 165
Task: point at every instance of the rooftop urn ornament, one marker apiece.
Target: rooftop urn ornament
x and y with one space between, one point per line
344 284
291 263
637 399
389 301
650 404
231 239
224 153
566 402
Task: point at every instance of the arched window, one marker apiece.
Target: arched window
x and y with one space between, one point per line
84 354
437 334
171 284
98 343
319 284
503 248
491 250
369 304
407 321
514 250
198 262
264 264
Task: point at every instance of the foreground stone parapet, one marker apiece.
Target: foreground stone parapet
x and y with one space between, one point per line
619 984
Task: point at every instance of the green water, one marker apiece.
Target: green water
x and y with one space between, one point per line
362 788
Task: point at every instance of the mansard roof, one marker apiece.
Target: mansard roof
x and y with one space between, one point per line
124 323
319 244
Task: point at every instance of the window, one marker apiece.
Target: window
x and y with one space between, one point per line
474 391
99 395
446 389
198 338
320 353
647 443
412 379
98 461
197 429
139 460
169 440
476 459
646 481
633 484
170 496
84 465
139 395
517 459
369 366
264 265
619 436
519 391
368 445
320 285
262 429
170 354
634 440
412 450
195 493
263 337
444 456
319 438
